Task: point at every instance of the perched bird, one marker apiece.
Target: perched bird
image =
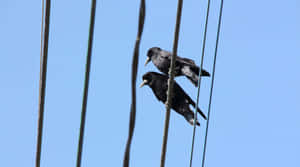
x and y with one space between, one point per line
183 66
180 100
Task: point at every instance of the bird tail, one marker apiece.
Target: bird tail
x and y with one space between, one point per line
190 119
201 113
204 73
198 109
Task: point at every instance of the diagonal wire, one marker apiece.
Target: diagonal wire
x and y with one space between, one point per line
86 82
212 81
199 81
43 74
134 71
170 84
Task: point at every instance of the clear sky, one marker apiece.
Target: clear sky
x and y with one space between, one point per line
255 118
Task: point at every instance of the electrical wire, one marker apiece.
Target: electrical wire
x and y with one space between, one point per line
43 74
86 83
212 81
199 81
170 84
134 71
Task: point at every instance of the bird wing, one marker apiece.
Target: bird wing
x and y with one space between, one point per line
179 59
188 99
160 88
185 61
165 54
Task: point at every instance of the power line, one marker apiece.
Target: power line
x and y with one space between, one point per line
43 74
199 81
170 83
134 71
86 82
212 81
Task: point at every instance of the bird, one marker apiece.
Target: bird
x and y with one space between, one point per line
183 66
180 100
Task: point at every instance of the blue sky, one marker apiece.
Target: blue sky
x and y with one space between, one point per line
255 116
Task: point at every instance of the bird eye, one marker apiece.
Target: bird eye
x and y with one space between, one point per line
150 52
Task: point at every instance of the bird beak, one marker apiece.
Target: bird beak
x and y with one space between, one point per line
143 83
147 61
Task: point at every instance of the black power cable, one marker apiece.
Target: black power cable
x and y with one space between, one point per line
43 74
134 71
86 83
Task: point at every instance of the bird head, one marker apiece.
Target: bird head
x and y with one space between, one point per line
151 52
148 78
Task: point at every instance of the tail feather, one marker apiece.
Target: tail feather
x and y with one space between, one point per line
201 113
190 119
204 73
198 109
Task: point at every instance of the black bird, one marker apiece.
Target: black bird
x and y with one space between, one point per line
180 100
183 66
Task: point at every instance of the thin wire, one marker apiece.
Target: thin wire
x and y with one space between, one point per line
43 74
199 81
170 84
86 82
134 71
42 28
212 81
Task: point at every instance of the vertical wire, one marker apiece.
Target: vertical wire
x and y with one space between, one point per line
199 81
134 71
170 83
86 83
212 81
43 74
